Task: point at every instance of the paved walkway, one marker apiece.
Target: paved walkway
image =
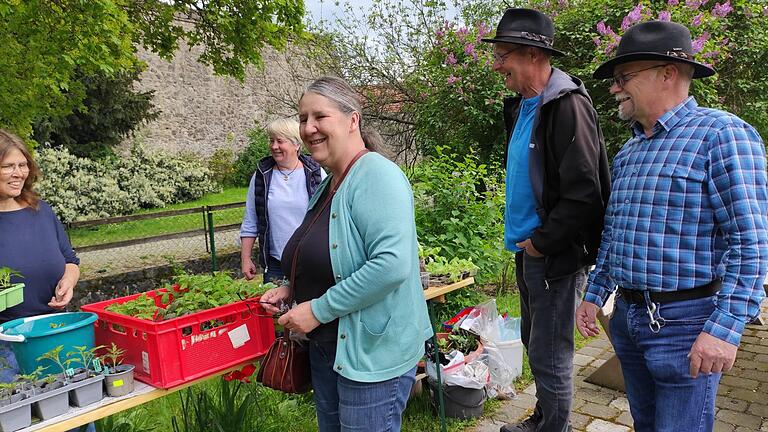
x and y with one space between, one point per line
742 402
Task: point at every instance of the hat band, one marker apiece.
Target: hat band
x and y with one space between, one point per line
548 41
679 53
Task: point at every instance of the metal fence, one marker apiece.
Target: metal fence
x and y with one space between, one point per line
126 243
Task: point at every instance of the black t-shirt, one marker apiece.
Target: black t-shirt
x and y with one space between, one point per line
314 273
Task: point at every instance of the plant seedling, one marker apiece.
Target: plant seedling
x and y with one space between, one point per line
84 356
5 277
113 356
54 355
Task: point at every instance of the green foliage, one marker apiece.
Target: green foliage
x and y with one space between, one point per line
459 209
459 97
220 164
54 355
110 111
135 420
44 43
733 44
81 189
190 294
113 356
248 161
82 356
228 408
455 268
5 276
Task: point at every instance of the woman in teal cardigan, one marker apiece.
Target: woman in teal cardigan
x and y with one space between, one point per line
356 273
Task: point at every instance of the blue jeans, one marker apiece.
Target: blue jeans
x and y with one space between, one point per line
547 311
345 405
274 271
662 394
12 369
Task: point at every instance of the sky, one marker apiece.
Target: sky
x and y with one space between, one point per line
326 9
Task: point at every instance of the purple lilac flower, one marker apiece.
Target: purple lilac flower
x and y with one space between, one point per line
626 23
693 4
469 49
602 28
462 33
765 10
482 30
440 33
710 54
451 59
722 10
597 41
673 2
665 16
452 79
698 43
636 14
697 20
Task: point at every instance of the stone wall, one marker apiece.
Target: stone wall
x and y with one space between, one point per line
202 112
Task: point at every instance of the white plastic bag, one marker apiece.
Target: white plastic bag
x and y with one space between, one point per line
475 374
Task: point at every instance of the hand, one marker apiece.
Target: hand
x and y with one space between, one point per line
586 319
527 246
248 268
272 299
63 294
301 318
711 355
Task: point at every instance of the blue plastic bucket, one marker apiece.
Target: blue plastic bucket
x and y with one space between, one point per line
34 336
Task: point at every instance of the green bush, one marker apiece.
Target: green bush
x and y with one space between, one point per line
248 160
82 189
460 210
221 165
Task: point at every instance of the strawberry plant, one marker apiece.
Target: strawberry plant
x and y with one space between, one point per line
189 294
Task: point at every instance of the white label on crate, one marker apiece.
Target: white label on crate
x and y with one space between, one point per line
145 361
239 336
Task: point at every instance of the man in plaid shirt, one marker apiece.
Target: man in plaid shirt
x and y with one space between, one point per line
685 239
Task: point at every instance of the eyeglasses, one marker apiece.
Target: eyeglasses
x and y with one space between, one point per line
622 79
499 58
8 169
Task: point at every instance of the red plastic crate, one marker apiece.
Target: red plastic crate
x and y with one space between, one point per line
175 351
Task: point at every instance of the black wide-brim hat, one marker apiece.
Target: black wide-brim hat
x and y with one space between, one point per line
654 40
526 27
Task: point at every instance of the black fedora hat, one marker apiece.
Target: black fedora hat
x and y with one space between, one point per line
526 27
655 40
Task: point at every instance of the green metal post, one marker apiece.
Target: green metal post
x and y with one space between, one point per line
214 264
441 403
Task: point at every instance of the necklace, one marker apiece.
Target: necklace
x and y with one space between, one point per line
285 176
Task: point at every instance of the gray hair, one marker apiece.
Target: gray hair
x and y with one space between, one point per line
347 101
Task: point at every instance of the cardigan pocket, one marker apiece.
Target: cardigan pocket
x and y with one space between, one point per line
375 324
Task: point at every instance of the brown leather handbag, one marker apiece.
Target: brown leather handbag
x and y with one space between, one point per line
285 367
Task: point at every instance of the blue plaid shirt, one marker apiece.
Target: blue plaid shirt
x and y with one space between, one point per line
688 205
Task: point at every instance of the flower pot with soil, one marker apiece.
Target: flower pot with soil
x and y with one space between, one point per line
118 377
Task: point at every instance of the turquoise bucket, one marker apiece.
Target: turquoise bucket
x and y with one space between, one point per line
34 336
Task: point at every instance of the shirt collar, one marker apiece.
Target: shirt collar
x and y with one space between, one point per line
670 118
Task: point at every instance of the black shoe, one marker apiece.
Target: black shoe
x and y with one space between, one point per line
527 425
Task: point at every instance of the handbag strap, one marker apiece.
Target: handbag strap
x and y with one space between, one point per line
326 203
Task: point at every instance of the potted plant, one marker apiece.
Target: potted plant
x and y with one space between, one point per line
11 294
86 380
15 411
118 377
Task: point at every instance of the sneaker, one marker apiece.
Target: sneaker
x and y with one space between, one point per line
527 425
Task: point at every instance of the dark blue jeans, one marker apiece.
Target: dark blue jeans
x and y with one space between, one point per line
274 271
662 394
344 405
547 311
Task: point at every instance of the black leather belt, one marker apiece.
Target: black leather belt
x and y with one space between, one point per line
637 296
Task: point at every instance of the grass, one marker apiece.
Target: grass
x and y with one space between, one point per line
166 225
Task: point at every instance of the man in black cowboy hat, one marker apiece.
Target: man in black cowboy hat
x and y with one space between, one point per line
556 187
686 233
